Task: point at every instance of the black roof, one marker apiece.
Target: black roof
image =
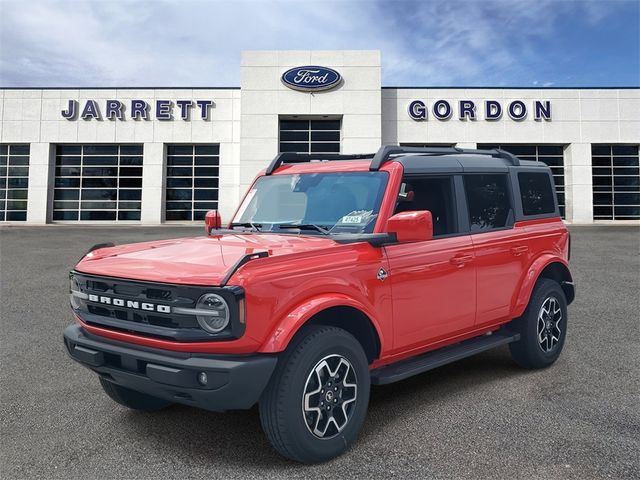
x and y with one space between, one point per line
420 159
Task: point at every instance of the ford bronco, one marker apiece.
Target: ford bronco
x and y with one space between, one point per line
335 273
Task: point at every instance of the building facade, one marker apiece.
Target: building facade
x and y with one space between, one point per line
148 156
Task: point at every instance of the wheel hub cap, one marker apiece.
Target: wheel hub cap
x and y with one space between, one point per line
549 319
329 396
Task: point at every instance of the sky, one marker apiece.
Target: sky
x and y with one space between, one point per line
525 43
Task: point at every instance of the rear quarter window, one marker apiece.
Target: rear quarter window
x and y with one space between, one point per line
536 193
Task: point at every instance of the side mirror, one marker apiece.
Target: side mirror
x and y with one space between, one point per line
212 220
416 226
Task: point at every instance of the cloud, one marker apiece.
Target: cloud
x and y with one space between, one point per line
198 43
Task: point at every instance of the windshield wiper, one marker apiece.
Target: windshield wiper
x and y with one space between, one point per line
304 226
254 226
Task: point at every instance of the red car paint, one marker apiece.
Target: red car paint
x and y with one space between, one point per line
439 291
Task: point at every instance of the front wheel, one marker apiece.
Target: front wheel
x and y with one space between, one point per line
317 399
542 326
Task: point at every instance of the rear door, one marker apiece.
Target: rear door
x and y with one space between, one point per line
501 248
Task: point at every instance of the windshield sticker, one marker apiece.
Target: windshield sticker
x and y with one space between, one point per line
357 217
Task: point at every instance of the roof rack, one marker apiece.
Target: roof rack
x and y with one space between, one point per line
384 154
292 157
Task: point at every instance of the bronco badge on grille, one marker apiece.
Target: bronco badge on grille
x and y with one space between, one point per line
119 302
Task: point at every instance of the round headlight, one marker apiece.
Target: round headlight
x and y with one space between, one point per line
213 312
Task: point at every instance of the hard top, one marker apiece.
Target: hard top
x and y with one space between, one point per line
417 160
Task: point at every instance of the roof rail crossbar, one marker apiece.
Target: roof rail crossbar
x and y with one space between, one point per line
292 157
384 154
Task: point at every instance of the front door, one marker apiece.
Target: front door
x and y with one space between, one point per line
433 283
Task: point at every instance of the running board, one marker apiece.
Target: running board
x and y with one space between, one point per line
436 358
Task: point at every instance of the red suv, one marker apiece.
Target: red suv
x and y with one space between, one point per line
336 272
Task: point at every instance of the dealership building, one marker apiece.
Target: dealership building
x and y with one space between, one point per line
155 155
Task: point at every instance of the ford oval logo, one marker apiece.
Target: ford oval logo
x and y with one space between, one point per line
311 78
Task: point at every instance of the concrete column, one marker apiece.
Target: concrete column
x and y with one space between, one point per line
153 182
578 183
41 182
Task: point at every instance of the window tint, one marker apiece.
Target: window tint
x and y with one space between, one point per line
487 201
433 194
536 193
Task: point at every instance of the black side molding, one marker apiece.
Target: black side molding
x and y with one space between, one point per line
436 358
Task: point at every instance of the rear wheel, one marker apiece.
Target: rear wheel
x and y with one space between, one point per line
542 326
317 399
132 399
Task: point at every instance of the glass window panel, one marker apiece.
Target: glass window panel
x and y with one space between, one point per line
102 160
3 194
178 215
129 215
174 194
626 198
294 125
536 193
65 215
625 150
601 161
18 171
206 172
66 205
325 147
294 136
128 205
97 205
616 171
627 212
17 182
100 194
59 194
68 160
178 161
68 149
325 136
131 171
131 150
178 205
205 182
16 205
487 201
602 198
4 149
207 150
179 182
626 181
603 212
180 171
16 216
24 161
18 149
97 215
600 149
130 182
100 150
100 171
99 182
17 194
3 160
199 214
67 171
180 150
206 195
137 161
550 150
325 124
130 194
199 161
205 205
294 147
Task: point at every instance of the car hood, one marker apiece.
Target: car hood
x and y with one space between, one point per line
193 261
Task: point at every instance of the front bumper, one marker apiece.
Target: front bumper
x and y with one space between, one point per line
233 382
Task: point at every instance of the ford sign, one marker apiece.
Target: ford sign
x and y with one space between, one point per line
311 78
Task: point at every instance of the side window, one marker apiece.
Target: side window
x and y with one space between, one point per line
536 193
488 201
430 193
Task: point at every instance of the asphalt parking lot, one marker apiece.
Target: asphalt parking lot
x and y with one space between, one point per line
479 418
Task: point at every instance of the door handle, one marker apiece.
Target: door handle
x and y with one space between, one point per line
519 250
460 260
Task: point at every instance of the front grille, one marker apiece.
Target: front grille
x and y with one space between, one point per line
118 304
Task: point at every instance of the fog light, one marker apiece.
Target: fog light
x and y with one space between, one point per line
202 378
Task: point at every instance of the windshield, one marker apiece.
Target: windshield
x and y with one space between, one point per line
346 202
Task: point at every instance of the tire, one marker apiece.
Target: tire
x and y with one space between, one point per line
132 399
321 364
542 327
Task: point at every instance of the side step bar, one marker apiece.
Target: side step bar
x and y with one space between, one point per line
437 358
